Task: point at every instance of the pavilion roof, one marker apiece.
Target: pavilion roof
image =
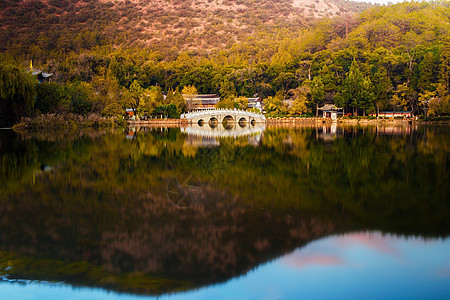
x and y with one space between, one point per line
330 107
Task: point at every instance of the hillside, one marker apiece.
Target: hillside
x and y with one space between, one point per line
397 56
43 25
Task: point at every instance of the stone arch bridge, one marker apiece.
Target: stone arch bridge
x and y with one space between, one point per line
220 115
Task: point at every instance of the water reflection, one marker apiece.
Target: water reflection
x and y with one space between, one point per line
168 211
224 131
352 265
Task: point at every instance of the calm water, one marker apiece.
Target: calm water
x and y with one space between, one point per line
215 213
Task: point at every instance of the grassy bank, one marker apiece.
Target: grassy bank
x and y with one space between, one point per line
67 121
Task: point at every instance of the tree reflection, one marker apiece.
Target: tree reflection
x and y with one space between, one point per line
104 211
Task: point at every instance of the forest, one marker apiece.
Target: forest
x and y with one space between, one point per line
394 57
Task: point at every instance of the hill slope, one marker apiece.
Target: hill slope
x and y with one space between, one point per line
195 24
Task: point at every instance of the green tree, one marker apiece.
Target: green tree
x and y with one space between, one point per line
48 97
113 110
356 91
317 89
80 96
227 88
444 67
284 81
427 69
382 88
227 102
17 94
168 110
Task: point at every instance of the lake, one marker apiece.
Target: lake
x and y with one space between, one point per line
238 212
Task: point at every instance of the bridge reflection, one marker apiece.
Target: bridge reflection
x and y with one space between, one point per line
207 136
221 131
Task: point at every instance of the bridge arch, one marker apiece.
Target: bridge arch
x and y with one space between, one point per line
230 115
242 120
228 125
213 122
229 119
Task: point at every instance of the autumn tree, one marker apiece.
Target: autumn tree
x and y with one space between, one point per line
242 102
398 100
135 94
189 93
300 99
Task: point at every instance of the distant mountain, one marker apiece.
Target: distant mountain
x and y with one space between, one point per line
31 26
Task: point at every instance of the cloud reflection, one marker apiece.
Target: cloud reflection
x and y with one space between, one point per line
299 260
332 251
374 241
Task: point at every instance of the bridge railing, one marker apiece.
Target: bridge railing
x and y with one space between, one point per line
233 112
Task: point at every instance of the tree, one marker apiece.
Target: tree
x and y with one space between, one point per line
300 100
151 98
275 105
242 102
440 103
178 100
284 80
189 92
427 69
382 88
48 96
398 100
444 68
227 102
317 92
227 88
356 91
107 91
424 100
80 94
367 95
168 110
17 94
113 110
136 92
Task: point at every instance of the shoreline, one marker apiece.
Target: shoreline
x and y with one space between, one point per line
158 122
300 121
288 122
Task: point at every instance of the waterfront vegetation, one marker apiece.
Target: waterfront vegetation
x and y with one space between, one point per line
392 58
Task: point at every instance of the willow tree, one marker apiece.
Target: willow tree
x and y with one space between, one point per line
17 94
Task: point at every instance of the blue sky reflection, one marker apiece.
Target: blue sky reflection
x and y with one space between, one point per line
351 266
